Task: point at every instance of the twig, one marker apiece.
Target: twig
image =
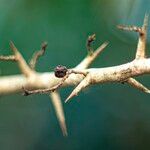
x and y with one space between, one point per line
130 28
37 55
137 85
85 63
8 58
89 41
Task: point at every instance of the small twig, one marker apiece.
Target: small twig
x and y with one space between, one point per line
89 41
83 84
130 28
38 54
39 91
44 91
8 58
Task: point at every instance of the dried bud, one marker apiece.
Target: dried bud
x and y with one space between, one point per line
90 39
60 71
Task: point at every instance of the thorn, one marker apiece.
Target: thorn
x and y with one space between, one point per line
37 55
136 84
145 22
85 63
148 91
70 96
64 129
24 68
84 83
56 101
100 49
12 46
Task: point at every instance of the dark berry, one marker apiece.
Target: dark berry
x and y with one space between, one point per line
60 71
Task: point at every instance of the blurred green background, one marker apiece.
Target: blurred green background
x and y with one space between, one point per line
106 117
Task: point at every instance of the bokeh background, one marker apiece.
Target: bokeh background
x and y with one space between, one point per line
106 117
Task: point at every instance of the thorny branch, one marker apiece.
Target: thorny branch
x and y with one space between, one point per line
49 82
30 75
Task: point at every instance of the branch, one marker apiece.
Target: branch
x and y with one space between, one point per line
121 73
8 58
89 41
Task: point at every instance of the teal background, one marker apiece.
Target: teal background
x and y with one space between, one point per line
106 117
